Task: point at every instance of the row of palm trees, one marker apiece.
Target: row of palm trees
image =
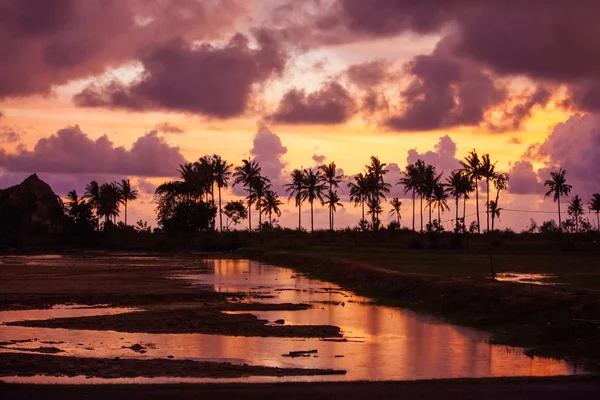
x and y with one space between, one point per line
104 200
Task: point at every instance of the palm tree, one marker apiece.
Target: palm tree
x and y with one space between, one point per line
410 181
439 198
108 206
429 183
575 210
260 187
312 188
421 190
500 182
294 190
396 205
127 194
206 163
359 191
72 200
558 187
594 205
92 193
270 204
246 174
221 175
377 188
454 187
329 174
472 168
487 170
332 200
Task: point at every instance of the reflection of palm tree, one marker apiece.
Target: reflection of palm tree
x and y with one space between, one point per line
312 189
359 192
332 201
594 205
294 189
396 205
221 174
270 204
558 187
410 181
330 176
246 174
576 210
127 194
487 170
471 167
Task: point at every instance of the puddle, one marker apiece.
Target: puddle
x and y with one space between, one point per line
382 343
531 279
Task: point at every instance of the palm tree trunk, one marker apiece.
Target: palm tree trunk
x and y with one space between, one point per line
559 219
457 213
312 227
493 218
300 217
487 208
259 216
477 205
598 218
439 215
413 204
465 211
332 219
363 210
271 218
249 211
220 214
429 200
125 212
421 205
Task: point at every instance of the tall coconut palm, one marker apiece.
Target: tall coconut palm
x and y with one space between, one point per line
221 175
110 198
439 199
421 186
557 185
332 201
410 181
331 178
261 186
575 210
245 175
206 164
471 165
500 182
312 189
430 181
270 205
92 194
127 194
294 189
487 171
378 188
396 206
73 200
359 191
594 205
454 187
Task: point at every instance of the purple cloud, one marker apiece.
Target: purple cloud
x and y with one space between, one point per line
167 127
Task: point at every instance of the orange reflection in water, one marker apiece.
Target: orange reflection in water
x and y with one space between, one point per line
383 343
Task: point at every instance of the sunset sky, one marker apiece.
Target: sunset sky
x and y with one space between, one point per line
107 90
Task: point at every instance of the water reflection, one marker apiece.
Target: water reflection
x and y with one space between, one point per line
383 343
528 278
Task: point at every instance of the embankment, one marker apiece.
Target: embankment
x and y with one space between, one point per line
547 321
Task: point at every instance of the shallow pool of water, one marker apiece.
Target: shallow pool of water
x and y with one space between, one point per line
383 343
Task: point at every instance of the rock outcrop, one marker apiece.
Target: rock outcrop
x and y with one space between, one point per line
30 208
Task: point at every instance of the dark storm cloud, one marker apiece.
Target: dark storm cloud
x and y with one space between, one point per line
206 79
52 42
331 104
71 151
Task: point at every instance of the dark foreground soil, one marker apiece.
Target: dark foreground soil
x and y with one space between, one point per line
547 321
186 320
19 364
467 389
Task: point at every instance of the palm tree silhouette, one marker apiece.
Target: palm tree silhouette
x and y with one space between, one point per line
421 170
594 205
455 187
377 188
261 185
221 175
270 204
439 199
332 200
294 189
575 210
410 181
92 194
487 170
108 206
396 205
127 194
359 192
558 187
329 174
312 189
500 182
246 174
429 183
472 168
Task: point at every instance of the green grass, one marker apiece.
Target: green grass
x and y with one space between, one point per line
580 270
